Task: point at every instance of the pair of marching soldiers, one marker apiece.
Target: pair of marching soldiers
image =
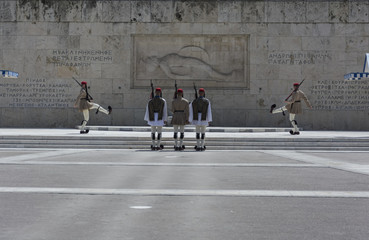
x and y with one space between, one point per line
197 112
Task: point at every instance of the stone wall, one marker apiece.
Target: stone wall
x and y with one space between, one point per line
246 54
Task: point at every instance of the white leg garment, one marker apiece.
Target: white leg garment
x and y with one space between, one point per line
293 122
159 130
181 129
203 129
100 109
279 110
200 129
198 136
86 117
153 130
175 127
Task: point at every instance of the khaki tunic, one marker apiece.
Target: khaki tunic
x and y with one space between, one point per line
180 109
81 101
295 107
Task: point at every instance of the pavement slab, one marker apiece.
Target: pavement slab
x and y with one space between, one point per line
97 217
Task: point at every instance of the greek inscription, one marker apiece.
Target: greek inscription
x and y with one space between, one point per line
5 11
298 57
36 93
79 58
340 95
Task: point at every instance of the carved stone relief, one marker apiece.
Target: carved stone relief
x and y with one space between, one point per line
216 61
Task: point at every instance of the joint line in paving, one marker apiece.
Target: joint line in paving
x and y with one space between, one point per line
44 154
151 164
304 157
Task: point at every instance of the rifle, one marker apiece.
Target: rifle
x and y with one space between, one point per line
88 96
194 87
294 90
152 89
175 86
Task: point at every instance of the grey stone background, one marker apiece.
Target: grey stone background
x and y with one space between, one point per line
288 41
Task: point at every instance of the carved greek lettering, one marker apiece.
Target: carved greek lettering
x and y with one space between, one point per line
340 95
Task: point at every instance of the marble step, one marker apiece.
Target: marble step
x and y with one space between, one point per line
188 129
189 148
212 143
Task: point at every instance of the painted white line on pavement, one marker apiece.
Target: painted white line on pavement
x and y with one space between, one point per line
330 151
44 154
140 207
151 164
323 161
184 192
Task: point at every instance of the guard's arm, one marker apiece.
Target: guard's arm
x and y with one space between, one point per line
306 100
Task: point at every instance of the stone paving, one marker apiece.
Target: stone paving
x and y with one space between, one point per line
105 194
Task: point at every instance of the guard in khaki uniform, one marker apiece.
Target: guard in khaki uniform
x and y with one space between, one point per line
84 105
180 109
293 107
200 116
156 116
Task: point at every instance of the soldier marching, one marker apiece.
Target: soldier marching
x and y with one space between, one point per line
84 105
293 107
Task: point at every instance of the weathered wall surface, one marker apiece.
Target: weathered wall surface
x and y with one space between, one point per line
246 54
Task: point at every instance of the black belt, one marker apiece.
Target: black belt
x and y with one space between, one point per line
298 101
179 111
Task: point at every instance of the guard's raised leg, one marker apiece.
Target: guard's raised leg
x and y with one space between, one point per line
101 109
278 110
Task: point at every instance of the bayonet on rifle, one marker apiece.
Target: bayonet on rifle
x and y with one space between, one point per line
152 89
194 87
176 89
